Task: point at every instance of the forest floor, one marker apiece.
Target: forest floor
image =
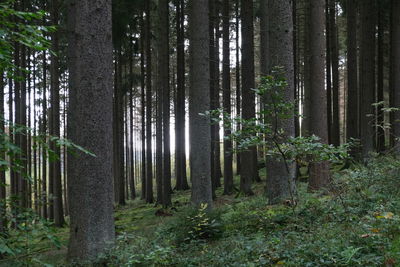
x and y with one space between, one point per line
357 223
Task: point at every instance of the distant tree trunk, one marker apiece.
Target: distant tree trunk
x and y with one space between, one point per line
199 102
3 221
44 131
90 69
131 164
352 123
367 74
149 164
247 171
334 54
305 125
180 138
281 174
319 171
226 85
55 108
238 85
395 70
163 77
380 133
142 105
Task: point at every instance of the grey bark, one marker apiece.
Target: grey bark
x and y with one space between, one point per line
90 123
319 171
280 174
199 102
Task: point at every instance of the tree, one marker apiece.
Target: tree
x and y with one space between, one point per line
90 126
395 68
180 139
367 74
247 157
226 85
280 174
352 71
55 121
319 171
199 102
3 222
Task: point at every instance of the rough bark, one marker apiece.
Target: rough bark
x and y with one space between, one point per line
280 174
247 168
395 70
319 171
199 102
367 74
226 87
90 186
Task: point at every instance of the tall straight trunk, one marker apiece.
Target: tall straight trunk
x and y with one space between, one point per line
247 168
44 131
280 174
149 164
211 18
3 221
90 70
395 70
34 145
199 102
216 96
180 136
367 74
163 78
226 87
352 122
328 64
55 108
238 85
131 164
159 133
380 118
334 53
142 106
319 171
17 136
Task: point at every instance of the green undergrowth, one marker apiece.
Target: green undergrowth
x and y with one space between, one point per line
356 223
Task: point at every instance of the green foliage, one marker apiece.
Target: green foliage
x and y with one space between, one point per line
356 225
19 27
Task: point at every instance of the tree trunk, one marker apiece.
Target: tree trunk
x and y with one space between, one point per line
149 155
352 123
199 102
367 74
395 70
3 222
280 174
238 85
226 85
319 171
142 105
55 107
247 168
90 126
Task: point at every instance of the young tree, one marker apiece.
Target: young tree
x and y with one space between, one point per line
319 171
90 126
199 102
280 174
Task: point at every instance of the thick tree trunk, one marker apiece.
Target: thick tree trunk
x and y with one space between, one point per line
367 74
238 92
280 174
90 125
319 171
247 168
199 102
163 78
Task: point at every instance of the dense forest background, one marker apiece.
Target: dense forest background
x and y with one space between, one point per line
199 132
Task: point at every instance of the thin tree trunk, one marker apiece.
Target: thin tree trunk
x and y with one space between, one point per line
395 70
